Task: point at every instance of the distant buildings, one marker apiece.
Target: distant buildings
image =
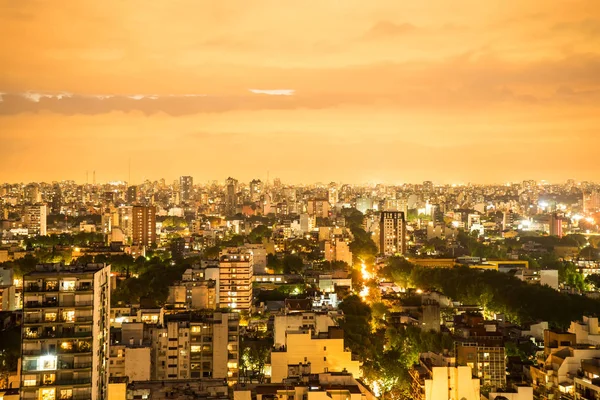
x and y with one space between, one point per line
66 332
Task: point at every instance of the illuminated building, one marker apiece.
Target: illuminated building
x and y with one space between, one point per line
333 194
236 267
318 208
485 358
196 345
256 189
32 194
392 233
555 225
65 332
591 202
144 225
436 377
186 189
36 219
323 353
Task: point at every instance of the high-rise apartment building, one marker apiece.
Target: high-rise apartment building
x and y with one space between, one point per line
555 225
196 345
392 233
235 278
186 189
66 322
144 225
486 359
231 196
31 194
56 201
132 195
333 194
318 208
36 219
256 189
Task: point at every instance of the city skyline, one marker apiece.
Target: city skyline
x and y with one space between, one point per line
486 92
246 182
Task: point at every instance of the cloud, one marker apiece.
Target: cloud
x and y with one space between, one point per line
143 96
36 97
389 29
274 92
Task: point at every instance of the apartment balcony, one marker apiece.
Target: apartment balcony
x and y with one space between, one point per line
80 350
73 382
60 335
80 397
76 304
32 352
41 304
73 365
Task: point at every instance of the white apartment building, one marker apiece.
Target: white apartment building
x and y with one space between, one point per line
196 345
235 278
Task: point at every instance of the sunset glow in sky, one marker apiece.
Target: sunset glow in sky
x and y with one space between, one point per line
312 90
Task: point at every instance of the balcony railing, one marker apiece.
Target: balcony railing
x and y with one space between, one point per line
79 397
33 352
69 382
75 350
66 365
76 303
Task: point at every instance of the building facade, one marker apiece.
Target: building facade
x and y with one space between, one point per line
36 220
196 345
144 225
392 233
236 269
66 322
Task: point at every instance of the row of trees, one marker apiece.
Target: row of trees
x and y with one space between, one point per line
496 292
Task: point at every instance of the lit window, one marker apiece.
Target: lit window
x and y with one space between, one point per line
47 394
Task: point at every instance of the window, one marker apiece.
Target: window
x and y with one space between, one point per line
67 285
195 349
66 394
68 316
47 394
29 380
50 317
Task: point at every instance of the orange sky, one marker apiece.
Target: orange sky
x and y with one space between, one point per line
313 90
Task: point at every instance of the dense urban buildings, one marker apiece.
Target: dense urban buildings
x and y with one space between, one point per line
251 288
